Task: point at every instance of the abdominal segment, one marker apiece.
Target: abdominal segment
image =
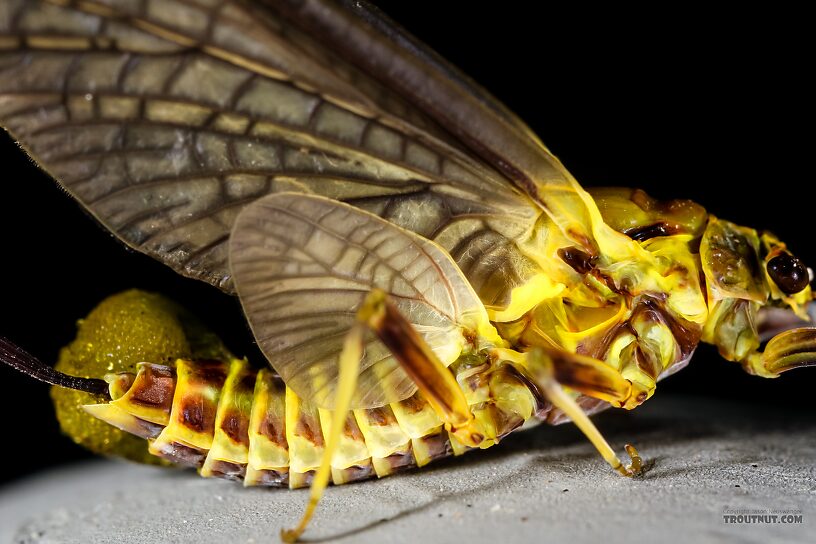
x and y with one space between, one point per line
232 421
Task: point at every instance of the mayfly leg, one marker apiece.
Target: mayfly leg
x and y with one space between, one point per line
432 378
544 375
349 364
438 386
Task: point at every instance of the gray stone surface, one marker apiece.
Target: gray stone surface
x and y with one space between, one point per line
541 485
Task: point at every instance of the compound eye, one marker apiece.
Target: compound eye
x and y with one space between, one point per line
788 273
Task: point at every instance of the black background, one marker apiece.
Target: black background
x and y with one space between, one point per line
710 106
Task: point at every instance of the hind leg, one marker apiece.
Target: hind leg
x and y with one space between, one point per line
433 379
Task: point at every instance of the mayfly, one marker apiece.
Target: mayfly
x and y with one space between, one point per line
422 274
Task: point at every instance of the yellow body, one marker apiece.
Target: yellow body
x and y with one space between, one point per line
263 148
284 435
635 315
281 439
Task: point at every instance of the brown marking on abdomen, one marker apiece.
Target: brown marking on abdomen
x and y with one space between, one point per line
352 430
309 428
211 373
236 426
382 416
413 404
154 387
197 413
274 429
247 383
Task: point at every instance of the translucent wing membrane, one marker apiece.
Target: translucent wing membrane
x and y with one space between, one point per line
478 120
166 118
302 266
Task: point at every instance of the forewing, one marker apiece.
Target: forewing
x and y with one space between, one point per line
302 266
480 122
166 118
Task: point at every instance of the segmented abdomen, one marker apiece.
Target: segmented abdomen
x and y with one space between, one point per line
232 421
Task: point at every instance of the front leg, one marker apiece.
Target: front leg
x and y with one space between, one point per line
795 348
732 327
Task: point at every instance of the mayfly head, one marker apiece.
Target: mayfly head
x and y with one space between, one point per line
743 264
755 287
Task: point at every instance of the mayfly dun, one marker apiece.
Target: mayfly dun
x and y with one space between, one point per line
421 273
